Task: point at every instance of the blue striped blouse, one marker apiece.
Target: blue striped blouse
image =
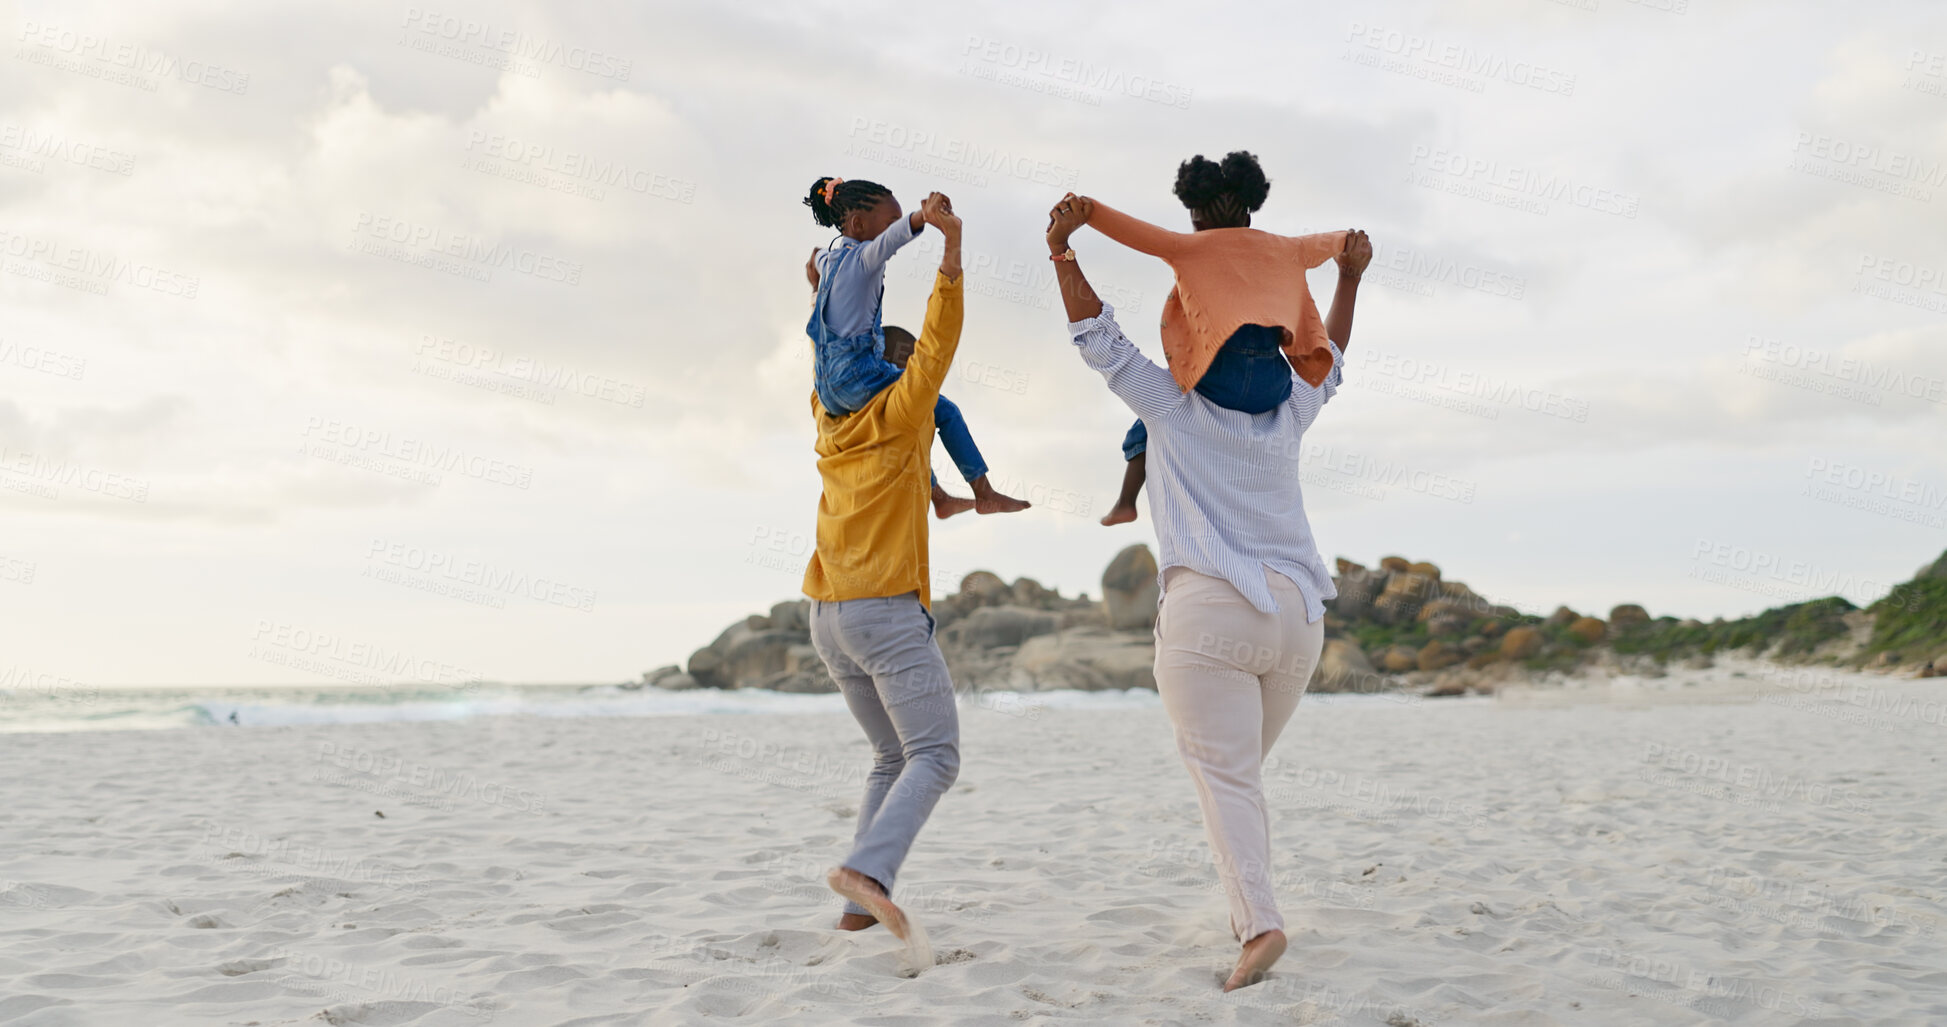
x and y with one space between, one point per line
1223 485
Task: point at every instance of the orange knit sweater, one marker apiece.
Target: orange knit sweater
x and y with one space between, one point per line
1227 278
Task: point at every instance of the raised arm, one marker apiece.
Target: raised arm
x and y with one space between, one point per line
874 253
1148 389
1352 261
912 397
1135 233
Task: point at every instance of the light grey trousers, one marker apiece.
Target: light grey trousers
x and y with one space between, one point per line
881 653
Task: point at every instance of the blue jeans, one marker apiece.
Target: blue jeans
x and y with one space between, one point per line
1250 374
849 370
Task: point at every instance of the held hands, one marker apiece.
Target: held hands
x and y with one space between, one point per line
937 210
1357 254
1070 213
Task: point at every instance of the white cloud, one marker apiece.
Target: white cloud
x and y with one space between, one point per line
657 404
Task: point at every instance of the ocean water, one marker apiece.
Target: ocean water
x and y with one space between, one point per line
72 707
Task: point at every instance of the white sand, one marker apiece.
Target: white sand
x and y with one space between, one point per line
1648 862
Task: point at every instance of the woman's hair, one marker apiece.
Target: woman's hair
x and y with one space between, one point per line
1225 193
849 195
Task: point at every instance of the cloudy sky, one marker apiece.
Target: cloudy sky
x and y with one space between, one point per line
361 340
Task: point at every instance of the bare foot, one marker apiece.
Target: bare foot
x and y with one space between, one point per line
1119 515
863 890
1259 953
946 505
987 500
856 921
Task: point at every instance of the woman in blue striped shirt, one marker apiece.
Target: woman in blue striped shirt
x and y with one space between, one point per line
1241 621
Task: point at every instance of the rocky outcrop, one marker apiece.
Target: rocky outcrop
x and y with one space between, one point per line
1022 636
1129 589
994 627
761 651
1402 625
1628 615
1090 659
1343 667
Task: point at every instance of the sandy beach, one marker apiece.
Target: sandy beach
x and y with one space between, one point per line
1624 853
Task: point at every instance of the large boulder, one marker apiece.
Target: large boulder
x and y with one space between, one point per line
792 615
1628 615
1520 643
1424 569
1398 659
810 681
1464 599
759 655
1343 667
671 678
1562 617
703 666
1129 589
1589 630
995 626
1397 564
1358 588
1032 594
1401 601
984 588
1089 660
1437 655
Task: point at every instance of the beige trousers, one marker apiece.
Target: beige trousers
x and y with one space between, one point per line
1230 677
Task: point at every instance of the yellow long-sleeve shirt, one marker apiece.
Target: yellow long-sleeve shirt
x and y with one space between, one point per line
875 465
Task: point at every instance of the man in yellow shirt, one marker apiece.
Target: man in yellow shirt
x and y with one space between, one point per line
870 616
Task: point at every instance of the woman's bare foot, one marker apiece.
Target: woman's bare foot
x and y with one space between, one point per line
1259 953
946 504
856 921
1119 515
987 501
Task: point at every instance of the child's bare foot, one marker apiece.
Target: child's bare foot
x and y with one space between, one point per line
1119 515
1255 961
987 501
856 921
946 504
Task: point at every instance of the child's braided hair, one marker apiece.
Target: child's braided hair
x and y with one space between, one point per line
1226 193
833 198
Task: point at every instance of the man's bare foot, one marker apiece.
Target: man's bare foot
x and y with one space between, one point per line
863 890
946 504
986 500
856 887
1259 953
1119 515
856 921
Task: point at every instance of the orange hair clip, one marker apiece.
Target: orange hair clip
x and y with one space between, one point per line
831 184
